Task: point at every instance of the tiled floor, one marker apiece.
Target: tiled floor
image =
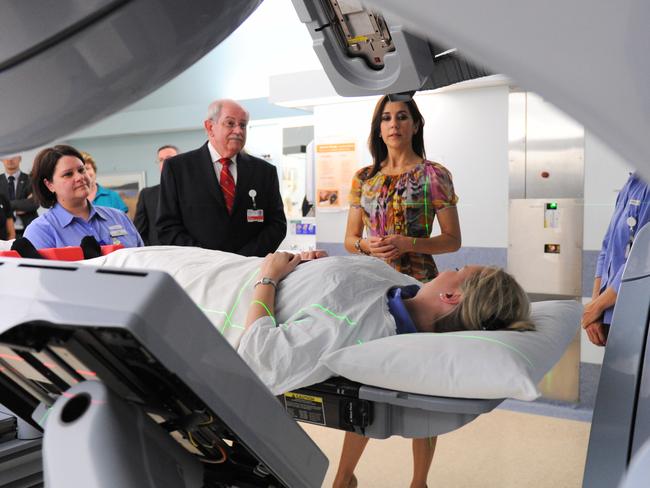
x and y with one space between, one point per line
521 444
502 449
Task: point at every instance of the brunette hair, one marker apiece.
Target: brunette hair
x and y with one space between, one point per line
376 144
43 169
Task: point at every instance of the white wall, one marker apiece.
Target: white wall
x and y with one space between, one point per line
341 122
466 131
134 153
605 175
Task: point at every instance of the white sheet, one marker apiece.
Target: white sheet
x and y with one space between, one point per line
335 309
324 305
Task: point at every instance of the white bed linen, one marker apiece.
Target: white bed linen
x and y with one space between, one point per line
335 309
322 306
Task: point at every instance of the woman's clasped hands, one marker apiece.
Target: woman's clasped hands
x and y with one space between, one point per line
389 247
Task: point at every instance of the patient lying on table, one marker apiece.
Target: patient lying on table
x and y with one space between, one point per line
282 317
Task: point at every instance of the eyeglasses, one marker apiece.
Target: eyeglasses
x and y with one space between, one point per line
231 124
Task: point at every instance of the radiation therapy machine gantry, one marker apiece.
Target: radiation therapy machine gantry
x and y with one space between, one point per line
177 406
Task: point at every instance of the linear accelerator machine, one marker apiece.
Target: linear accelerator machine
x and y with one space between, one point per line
175 408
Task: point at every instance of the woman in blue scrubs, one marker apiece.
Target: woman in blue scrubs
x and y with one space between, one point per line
60 183
631 213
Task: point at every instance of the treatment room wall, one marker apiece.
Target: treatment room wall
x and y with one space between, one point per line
135 153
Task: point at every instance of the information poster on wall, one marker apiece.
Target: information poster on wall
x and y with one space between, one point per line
336 163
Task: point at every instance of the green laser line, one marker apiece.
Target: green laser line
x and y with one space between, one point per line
267 310
426 207
350 322
220 312
45 415
413 204
227 323
487 339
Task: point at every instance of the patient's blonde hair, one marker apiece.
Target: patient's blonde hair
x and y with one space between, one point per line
491 300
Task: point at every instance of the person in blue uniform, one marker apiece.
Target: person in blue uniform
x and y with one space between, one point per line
631 213
100 195
60 183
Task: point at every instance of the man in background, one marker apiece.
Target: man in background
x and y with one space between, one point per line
147 206
219 197
17 187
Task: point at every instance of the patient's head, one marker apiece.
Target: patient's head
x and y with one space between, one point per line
479 298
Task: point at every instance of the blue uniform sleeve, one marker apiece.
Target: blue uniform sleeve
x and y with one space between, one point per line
39 233
643 218
609 234
600 263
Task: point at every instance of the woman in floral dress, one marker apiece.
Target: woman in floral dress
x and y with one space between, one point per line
396 201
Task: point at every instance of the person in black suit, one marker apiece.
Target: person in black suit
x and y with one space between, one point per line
147 206
17 187
7 231
219 197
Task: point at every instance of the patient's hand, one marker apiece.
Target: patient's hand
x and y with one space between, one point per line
278 265
312 254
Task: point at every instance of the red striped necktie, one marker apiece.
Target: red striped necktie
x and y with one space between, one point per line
227 183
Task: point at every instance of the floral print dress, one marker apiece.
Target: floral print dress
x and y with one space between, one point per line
404 204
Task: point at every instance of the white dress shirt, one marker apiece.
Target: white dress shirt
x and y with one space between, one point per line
214 154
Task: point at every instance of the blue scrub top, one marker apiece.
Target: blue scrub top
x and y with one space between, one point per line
632 201
59 228
106 197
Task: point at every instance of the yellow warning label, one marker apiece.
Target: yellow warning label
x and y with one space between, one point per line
300 396
358 39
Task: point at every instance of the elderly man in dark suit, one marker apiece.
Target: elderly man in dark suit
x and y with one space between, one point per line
17 187
219 197
147 206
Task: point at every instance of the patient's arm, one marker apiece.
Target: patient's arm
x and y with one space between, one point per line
275 267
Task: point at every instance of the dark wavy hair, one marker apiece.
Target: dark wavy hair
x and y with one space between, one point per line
43 169
378 148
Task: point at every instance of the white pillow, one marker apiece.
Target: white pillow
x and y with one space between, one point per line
476 364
